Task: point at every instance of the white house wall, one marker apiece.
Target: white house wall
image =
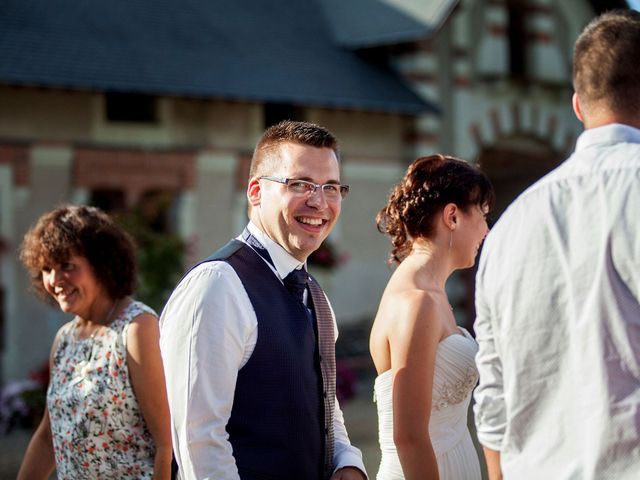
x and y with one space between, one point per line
485 105
220 137
463 69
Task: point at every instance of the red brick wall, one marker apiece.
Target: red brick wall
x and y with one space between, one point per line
133 171
17 156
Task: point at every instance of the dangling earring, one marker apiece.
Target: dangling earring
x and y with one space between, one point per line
450 239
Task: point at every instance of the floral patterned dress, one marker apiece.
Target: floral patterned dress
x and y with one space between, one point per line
98 429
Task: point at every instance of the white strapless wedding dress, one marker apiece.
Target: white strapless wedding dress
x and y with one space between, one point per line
454 378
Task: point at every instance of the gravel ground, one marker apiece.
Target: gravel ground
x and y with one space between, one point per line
360 418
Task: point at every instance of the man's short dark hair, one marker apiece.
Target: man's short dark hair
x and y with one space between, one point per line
606 64
288 131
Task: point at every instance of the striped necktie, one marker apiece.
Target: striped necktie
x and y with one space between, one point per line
327 350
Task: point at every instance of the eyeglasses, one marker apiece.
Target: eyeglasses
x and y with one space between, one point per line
333 192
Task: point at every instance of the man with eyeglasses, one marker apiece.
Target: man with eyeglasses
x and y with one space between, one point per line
248 337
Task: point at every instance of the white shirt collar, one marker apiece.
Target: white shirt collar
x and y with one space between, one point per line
607 134
283 262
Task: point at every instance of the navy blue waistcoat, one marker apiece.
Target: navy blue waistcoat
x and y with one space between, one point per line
276 426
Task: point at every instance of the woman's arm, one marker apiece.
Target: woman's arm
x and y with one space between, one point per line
413 343
147 379
39 459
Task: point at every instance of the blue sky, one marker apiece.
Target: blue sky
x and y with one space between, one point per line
635 4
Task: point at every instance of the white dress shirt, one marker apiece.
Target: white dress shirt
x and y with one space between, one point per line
558 319
208 333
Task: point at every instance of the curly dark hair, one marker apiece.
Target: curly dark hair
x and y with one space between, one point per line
87 232
429 184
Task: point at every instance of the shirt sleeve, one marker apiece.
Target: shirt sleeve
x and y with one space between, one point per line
345 454
489 408
208 331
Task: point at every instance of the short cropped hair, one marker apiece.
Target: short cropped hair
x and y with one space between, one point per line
87 232
606 63
265 156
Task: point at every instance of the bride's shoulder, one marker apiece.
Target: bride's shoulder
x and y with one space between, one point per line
414 297
410 304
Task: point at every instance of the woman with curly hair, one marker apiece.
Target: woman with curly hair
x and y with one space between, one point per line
436 218
107 415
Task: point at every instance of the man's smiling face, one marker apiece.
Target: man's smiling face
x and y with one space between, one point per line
299 224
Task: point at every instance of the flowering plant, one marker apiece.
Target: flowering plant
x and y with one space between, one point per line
4 245
326 256
346 380
22 402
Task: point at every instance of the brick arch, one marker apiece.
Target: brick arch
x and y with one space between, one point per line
513 120
514 165
513 162
514 148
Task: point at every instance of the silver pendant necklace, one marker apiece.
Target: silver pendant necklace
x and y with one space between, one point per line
84 366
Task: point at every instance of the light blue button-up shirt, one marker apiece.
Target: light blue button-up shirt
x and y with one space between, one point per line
558 319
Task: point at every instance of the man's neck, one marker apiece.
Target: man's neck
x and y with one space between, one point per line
283 261
602 118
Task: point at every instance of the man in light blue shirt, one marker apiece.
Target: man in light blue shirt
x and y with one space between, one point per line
558 289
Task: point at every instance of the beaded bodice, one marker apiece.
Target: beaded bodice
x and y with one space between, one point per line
455 371
454 378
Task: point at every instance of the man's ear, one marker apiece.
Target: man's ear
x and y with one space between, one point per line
254 192
450 215
575 101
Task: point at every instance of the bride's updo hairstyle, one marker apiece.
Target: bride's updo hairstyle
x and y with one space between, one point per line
429 184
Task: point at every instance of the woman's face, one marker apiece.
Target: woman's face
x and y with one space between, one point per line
470 233
73 285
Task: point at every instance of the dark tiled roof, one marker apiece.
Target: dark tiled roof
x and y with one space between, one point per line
601 6
369 23
247 50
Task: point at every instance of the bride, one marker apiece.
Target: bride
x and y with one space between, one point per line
436 218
